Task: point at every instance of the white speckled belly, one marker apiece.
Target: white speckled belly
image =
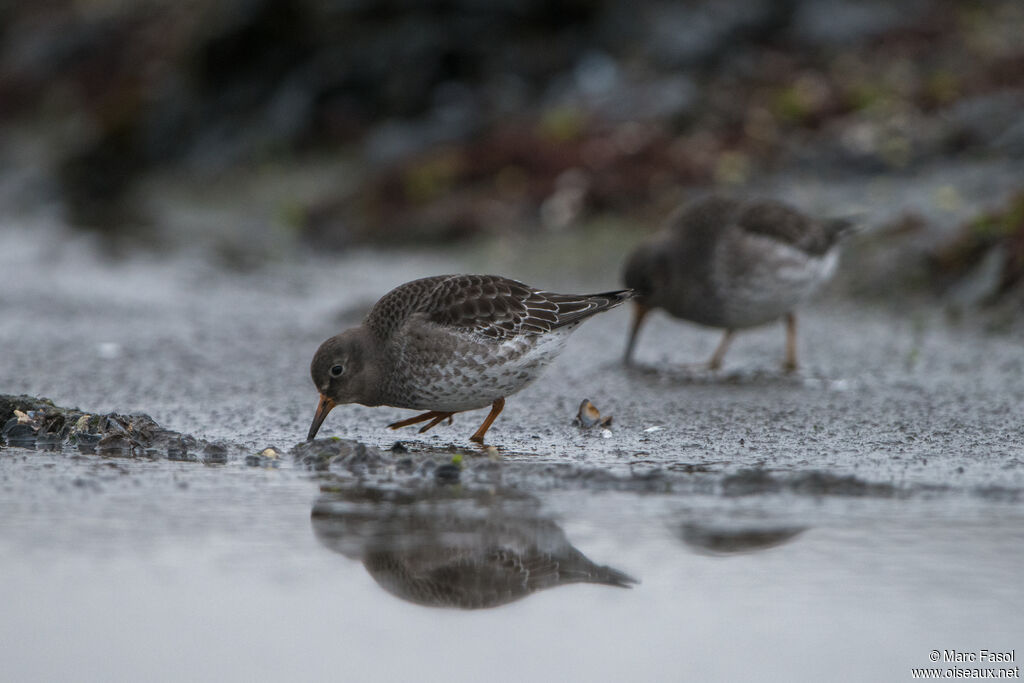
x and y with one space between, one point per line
762 279
434 374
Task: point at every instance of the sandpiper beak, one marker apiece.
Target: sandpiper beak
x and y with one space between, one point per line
321 412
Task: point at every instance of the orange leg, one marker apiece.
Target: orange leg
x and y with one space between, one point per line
496 408
790 364
441 417
639 313
716 358
431 415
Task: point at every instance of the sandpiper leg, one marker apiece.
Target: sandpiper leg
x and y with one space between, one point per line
419 418
496 408
723 346
639 312
441 417
790 364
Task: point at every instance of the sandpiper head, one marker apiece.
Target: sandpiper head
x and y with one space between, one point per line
646 273
344 371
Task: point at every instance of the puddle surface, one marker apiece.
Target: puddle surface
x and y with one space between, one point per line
157 570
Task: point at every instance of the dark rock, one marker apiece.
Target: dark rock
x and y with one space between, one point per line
215 454
110 434
178 449
260 460
49 442
356 457
119 444
316 455
268 457
86 442
23 403
17 434
447 473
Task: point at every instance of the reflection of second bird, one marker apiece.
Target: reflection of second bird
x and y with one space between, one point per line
733 265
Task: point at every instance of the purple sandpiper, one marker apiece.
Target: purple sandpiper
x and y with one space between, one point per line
733 264
463 547
447 344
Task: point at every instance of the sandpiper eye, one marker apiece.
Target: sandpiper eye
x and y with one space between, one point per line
336 370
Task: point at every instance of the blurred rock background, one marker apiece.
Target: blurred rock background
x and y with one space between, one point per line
253 129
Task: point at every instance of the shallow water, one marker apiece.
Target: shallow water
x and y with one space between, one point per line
158 570
835 525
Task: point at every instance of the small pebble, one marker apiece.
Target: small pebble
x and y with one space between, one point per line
588 416
447 473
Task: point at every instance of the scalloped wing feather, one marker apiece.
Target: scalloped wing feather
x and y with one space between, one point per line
500 308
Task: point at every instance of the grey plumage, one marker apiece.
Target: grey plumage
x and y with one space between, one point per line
733 264
492 306
467 550
450 343
724 540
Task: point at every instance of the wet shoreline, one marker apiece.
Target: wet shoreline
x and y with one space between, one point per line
849 498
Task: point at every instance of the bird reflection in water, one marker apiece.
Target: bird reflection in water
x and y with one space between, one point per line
447 547
715 540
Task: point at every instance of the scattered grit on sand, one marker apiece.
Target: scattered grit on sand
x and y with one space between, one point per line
177 359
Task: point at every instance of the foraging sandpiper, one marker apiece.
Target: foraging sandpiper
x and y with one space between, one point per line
731 264
447 344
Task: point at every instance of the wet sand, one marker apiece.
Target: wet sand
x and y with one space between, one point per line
837 524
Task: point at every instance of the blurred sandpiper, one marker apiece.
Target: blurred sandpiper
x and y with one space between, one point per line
733 265
447 344
466 547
